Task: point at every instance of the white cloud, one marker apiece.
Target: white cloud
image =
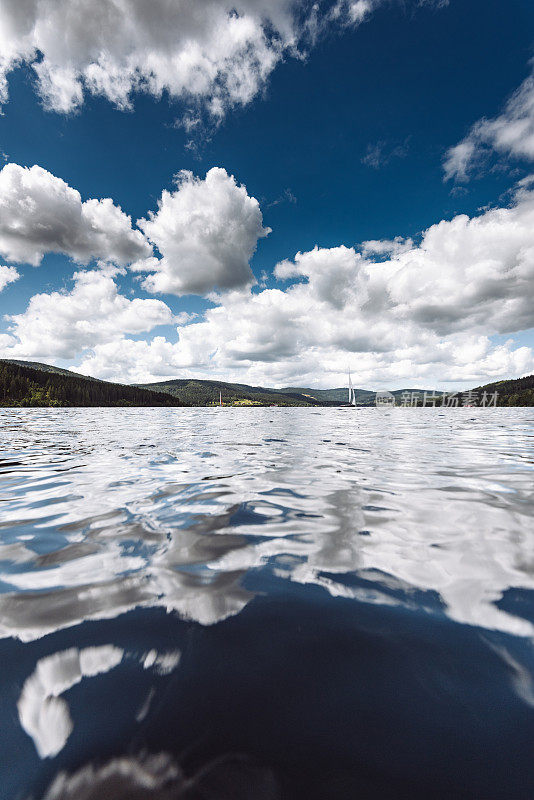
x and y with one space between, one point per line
184 317
424 315
467 274
359 9
132 361
511 133
354 11
61 324
206 231
465 360
215 52
396 312
459 160
7 275
383 247
40 213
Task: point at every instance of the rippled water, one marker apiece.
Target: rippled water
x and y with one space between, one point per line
346 595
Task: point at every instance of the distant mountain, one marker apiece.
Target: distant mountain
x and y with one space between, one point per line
45 367
205 393
36 383
519 392
324 395
22 385
364 397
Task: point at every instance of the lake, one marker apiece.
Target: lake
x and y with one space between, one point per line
346 597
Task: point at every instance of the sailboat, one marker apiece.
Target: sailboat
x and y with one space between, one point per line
220 398
352 393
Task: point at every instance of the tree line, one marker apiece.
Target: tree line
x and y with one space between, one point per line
206 393
517 392
22 386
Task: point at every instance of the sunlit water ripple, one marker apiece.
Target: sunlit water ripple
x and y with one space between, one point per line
346 595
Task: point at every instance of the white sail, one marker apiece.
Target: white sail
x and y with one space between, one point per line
352 395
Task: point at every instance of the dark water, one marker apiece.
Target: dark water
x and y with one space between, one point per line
345 596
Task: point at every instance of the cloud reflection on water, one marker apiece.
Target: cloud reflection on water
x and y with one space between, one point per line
107 510
43 713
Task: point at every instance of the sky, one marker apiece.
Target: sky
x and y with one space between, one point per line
269 191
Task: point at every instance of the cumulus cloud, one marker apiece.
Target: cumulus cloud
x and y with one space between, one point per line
397 312
206 231
424 314
430 362
511 133
7 275
40 213
466 274
62 324
218 53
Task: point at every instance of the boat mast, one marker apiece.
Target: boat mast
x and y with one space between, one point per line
220 398
352 393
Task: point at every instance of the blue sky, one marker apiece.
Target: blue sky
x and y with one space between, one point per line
348 141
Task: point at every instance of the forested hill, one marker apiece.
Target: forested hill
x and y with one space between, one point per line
46 368
205 393
27 386
519 392
35 384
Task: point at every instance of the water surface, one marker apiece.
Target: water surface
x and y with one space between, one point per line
346 595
